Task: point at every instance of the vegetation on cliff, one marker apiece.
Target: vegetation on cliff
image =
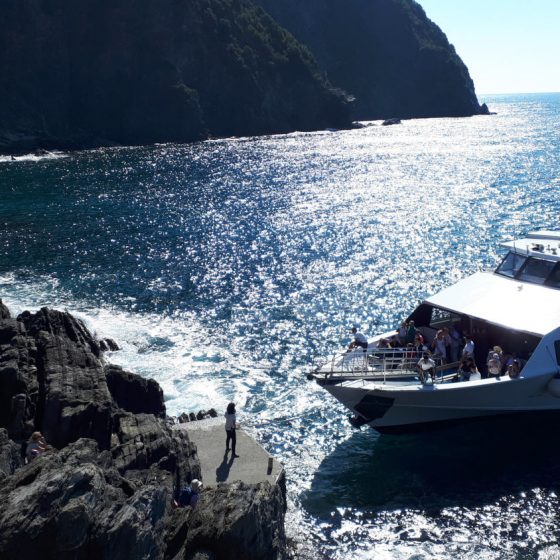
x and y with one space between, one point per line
385 53
136 71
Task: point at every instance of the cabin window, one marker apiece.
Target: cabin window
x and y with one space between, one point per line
553 279
511 264
557 349
441 318
535 271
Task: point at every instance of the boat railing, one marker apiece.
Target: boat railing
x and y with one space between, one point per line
380 364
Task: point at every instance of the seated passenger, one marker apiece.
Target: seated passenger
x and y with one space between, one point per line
426 367
468 370
359 340
514 369
468 349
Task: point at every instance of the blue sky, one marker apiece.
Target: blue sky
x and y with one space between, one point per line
509 46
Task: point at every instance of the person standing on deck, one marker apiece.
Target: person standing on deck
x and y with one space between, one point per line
231 426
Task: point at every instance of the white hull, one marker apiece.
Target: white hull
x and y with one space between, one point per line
408 407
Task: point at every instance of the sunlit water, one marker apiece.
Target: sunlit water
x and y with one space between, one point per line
222 269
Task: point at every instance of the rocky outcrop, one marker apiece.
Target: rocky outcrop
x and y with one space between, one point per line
385 53
105 487
139 72
134 393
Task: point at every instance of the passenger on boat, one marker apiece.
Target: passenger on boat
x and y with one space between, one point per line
401 333
514 369
454 343
468 349
419 343
410 332
359 340
468 370
426 367
494 362
439 346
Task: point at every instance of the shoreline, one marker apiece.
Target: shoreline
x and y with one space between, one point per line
115 466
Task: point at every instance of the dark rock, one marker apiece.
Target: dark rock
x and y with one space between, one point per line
9 328
192 416
389 122
201 414
184 418
61 324
144 440
134 393
108 345
239 521
75 399
212 412
10 455
72 509
4 311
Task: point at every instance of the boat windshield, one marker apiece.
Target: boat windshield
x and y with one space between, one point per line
530 269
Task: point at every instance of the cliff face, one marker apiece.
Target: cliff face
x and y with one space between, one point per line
74 74
386 53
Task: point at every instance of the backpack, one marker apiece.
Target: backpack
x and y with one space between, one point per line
185 496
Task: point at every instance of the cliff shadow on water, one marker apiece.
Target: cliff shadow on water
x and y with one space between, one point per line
469 466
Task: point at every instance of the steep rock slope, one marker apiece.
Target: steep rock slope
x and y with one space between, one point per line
386 53
75 74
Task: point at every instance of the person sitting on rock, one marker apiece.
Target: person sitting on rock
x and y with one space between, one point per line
189 495
35 446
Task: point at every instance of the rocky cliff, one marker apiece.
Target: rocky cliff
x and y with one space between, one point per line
75 74
385 53
105 490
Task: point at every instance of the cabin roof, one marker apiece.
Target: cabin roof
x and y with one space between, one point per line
543 244
530 308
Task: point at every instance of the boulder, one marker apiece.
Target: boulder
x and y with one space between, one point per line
4 311
68 504
10 455
134 393
239 520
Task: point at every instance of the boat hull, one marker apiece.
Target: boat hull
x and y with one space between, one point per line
415 407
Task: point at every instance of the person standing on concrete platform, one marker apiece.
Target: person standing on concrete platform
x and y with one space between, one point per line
231 426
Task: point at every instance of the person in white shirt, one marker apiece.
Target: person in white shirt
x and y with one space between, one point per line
359 340
427 366
468 350
231 426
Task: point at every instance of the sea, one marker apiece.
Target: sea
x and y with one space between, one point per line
225 269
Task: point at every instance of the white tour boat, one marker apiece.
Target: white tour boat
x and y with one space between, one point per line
516 307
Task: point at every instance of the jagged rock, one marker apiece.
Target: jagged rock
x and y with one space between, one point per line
212 413
144 440
201 414
239 521
10 455
68 505
192 416
389 122
76 400
62 324
133 392
4 311
184 418
108 345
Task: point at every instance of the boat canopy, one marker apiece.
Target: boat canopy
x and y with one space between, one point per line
503 301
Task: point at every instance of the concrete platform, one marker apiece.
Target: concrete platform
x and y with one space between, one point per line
253 465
